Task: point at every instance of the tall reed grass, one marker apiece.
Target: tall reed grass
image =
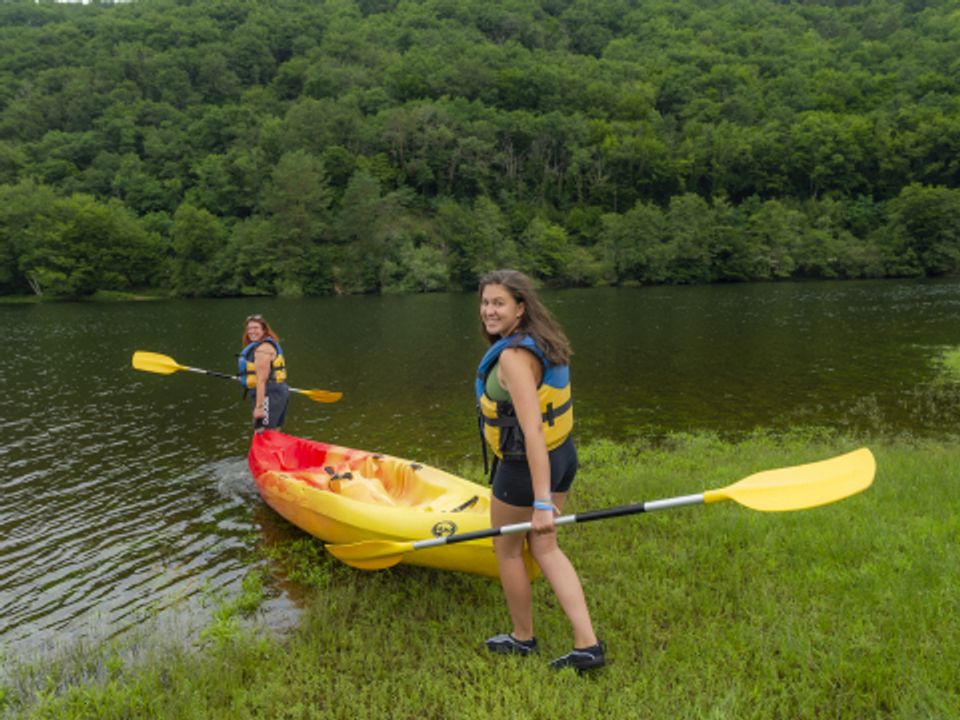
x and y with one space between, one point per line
845 611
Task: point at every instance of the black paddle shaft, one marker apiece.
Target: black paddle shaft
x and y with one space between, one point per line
214 373
631 509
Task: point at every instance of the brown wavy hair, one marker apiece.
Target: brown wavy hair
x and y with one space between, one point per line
267 330
536 320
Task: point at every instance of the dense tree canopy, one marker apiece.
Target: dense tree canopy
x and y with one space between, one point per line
232 147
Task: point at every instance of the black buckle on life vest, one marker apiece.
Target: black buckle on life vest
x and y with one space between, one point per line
553 413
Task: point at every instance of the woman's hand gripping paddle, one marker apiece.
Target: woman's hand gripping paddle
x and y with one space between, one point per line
793 488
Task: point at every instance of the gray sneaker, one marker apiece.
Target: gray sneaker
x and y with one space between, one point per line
581 659
507 644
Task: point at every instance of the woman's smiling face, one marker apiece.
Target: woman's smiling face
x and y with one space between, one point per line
255 331
499 310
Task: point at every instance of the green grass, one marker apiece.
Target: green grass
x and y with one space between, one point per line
950 363
845 611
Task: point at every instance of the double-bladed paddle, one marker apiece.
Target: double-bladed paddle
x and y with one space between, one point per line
166 365
792 488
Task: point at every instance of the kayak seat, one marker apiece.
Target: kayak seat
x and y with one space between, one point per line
363 489
314 479
381 480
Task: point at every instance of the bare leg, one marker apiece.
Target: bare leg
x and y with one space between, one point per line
565 582
513 572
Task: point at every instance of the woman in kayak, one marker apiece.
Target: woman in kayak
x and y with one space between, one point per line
262 369
523 396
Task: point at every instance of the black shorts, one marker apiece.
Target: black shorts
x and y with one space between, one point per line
513 485
274 406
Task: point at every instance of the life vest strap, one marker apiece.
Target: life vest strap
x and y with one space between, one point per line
553 413
549 417
483 442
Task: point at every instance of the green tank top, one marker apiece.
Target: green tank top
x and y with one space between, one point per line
495 391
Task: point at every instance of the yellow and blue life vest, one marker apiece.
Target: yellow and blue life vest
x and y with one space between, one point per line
498 420
247 369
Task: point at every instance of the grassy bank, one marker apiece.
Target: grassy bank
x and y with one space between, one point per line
845 611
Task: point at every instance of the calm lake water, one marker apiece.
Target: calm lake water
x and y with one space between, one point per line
126 498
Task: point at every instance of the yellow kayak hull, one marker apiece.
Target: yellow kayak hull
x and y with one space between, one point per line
341 495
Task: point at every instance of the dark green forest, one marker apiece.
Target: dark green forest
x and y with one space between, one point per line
231 147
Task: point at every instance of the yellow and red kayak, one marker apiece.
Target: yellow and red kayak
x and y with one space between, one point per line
342 495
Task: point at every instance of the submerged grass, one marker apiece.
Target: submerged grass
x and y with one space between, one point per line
845 611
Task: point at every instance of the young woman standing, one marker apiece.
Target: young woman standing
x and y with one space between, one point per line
526 414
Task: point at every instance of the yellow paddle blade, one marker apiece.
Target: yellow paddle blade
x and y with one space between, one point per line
156 363
371 554
802 486
323 396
